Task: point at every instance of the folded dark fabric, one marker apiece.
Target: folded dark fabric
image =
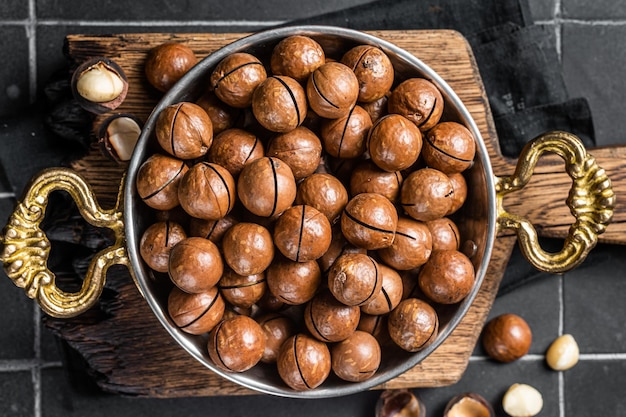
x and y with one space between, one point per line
573 116
466 16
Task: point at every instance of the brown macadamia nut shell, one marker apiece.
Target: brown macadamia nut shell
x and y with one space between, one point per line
157 241
447 277
332 90
355 279
449 147
369 221
293 283
418 100
413 324
411 247
302 233
329 320
236 77
207 191
234 148
372 68
236 344
279 104
184 130
394 143
157 181
507 337
266 187
195 264
195 313
248 248
303 362
325 193
242 291
297 56
426 194
299 148
167 63
356 358
346 136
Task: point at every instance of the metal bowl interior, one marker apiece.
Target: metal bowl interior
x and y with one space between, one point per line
476 219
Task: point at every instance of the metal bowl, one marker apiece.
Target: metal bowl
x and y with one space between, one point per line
26 248
478 217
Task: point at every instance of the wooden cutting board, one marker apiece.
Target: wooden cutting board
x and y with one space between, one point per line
124 346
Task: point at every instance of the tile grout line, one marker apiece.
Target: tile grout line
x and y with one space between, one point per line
31 34
561 329
36 371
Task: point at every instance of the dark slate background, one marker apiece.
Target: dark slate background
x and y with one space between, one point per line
588 39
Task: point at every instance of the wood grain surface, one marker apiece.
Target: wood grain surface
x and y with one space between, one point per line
126 349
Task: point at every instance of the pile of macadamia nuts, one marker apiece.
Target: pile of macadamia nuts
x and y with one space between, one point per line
305 211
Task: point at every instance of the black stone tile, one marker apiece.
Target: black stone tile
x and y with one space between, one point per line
14 83
541 9
51 63
50 346
16 394
593 60
13 10
594 301
491 380
16 320
595 388
61 399
598 9
190 10
537 302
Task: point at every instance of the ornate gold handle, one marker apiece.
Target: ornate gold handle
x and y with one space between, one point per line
26 247
591 201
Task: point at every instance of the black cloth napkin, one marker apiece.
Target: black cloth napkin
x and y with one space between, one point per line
517 61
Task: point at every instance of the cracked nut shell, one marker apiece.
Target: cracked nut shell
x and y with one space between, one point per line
207 191
266 187
279 103
332 90
426 194
158 179
236 77
184 130
449 147
236 344
369 221
195 313
419 100
329 320
303 362
372 68
157 241
302 233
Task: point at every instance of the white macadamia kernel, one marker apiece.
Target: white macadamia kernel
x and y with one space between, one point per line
522 400
563 353
99 84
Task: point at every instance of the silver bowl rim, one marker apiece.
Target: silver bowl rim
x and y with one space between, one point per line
178 91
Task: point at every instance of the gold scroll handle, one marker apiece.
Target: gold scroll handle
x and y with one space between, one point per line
591 201
26 248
